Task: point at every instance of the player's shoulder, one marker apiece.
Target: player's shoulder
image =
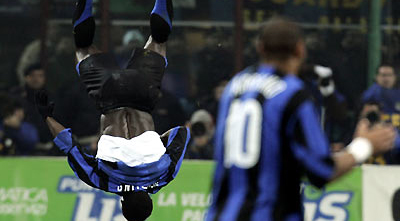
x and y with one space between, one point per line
265 80
252 80
294 94
297 89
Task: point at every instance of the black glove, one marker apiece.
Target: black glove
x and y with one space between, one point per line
44 107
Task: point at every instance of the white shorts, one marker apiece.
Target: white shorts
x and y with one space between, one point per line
145 148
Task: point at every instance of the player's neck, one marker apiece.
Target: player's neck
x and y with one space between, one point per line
289 66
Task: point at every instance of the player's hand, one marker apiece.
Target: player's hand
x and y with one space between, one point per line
44 107
381 135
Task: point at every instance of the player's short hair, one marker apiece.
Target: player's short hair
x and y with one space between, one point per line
279 37
136 206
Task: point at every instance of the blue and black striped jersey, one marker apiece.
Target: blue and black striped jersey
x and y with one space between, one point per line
118 177
268 136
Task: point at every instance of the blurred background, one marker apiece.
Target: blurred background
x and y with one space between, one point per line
359 40
211 41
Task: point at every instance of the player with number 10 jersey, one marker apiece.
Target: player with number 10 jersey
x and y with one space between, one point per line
268 136
259 164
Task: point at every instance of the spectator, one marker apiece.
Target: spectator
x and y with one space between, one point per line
35 79
372 111
17 137
385 94
31 52
202 127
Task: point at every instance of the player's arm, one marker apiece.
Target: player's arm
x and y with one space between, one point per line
311 148
176 141
368 141
54 127
84 165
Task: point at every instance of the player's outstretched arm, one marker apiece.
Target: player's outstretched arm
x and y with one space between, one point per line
311 148
83 164
368 141
54 127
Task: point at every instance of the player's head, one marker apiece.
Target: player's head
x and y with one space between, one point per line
136 206
281 40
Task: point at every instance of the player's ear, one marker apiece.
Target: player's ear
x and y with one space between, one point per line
300 50
259 47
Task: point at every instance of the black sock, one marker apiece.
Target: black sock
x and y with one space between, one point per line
161 20
84 25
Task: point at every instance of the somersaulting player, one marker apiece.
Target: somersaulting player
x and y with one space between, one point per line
132 160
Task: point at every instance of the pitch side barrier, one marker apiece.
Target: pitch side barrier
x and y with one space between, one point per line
45 189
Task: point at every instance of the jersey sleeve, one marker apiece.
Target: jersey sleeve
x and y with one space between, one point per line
176 147
310 146
85 166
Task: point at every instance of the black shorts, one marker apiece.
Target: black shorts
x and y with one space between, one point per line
137 86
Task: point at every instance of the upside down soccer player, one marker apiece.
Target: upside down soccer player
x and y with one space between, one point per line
268 136
132 160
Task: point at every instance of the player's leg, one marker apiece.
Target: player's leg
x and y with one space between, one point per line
160 25
84 29
160 48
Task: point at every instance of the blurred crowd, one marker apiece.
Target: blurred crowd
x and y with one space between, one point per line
200 66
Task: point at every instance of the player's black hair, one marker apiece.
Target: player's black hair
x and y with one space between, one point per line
279 37
32 68
136 206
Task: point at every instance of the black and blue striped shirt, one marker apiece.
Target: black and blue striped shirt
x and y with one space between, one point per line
118 177
268 136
